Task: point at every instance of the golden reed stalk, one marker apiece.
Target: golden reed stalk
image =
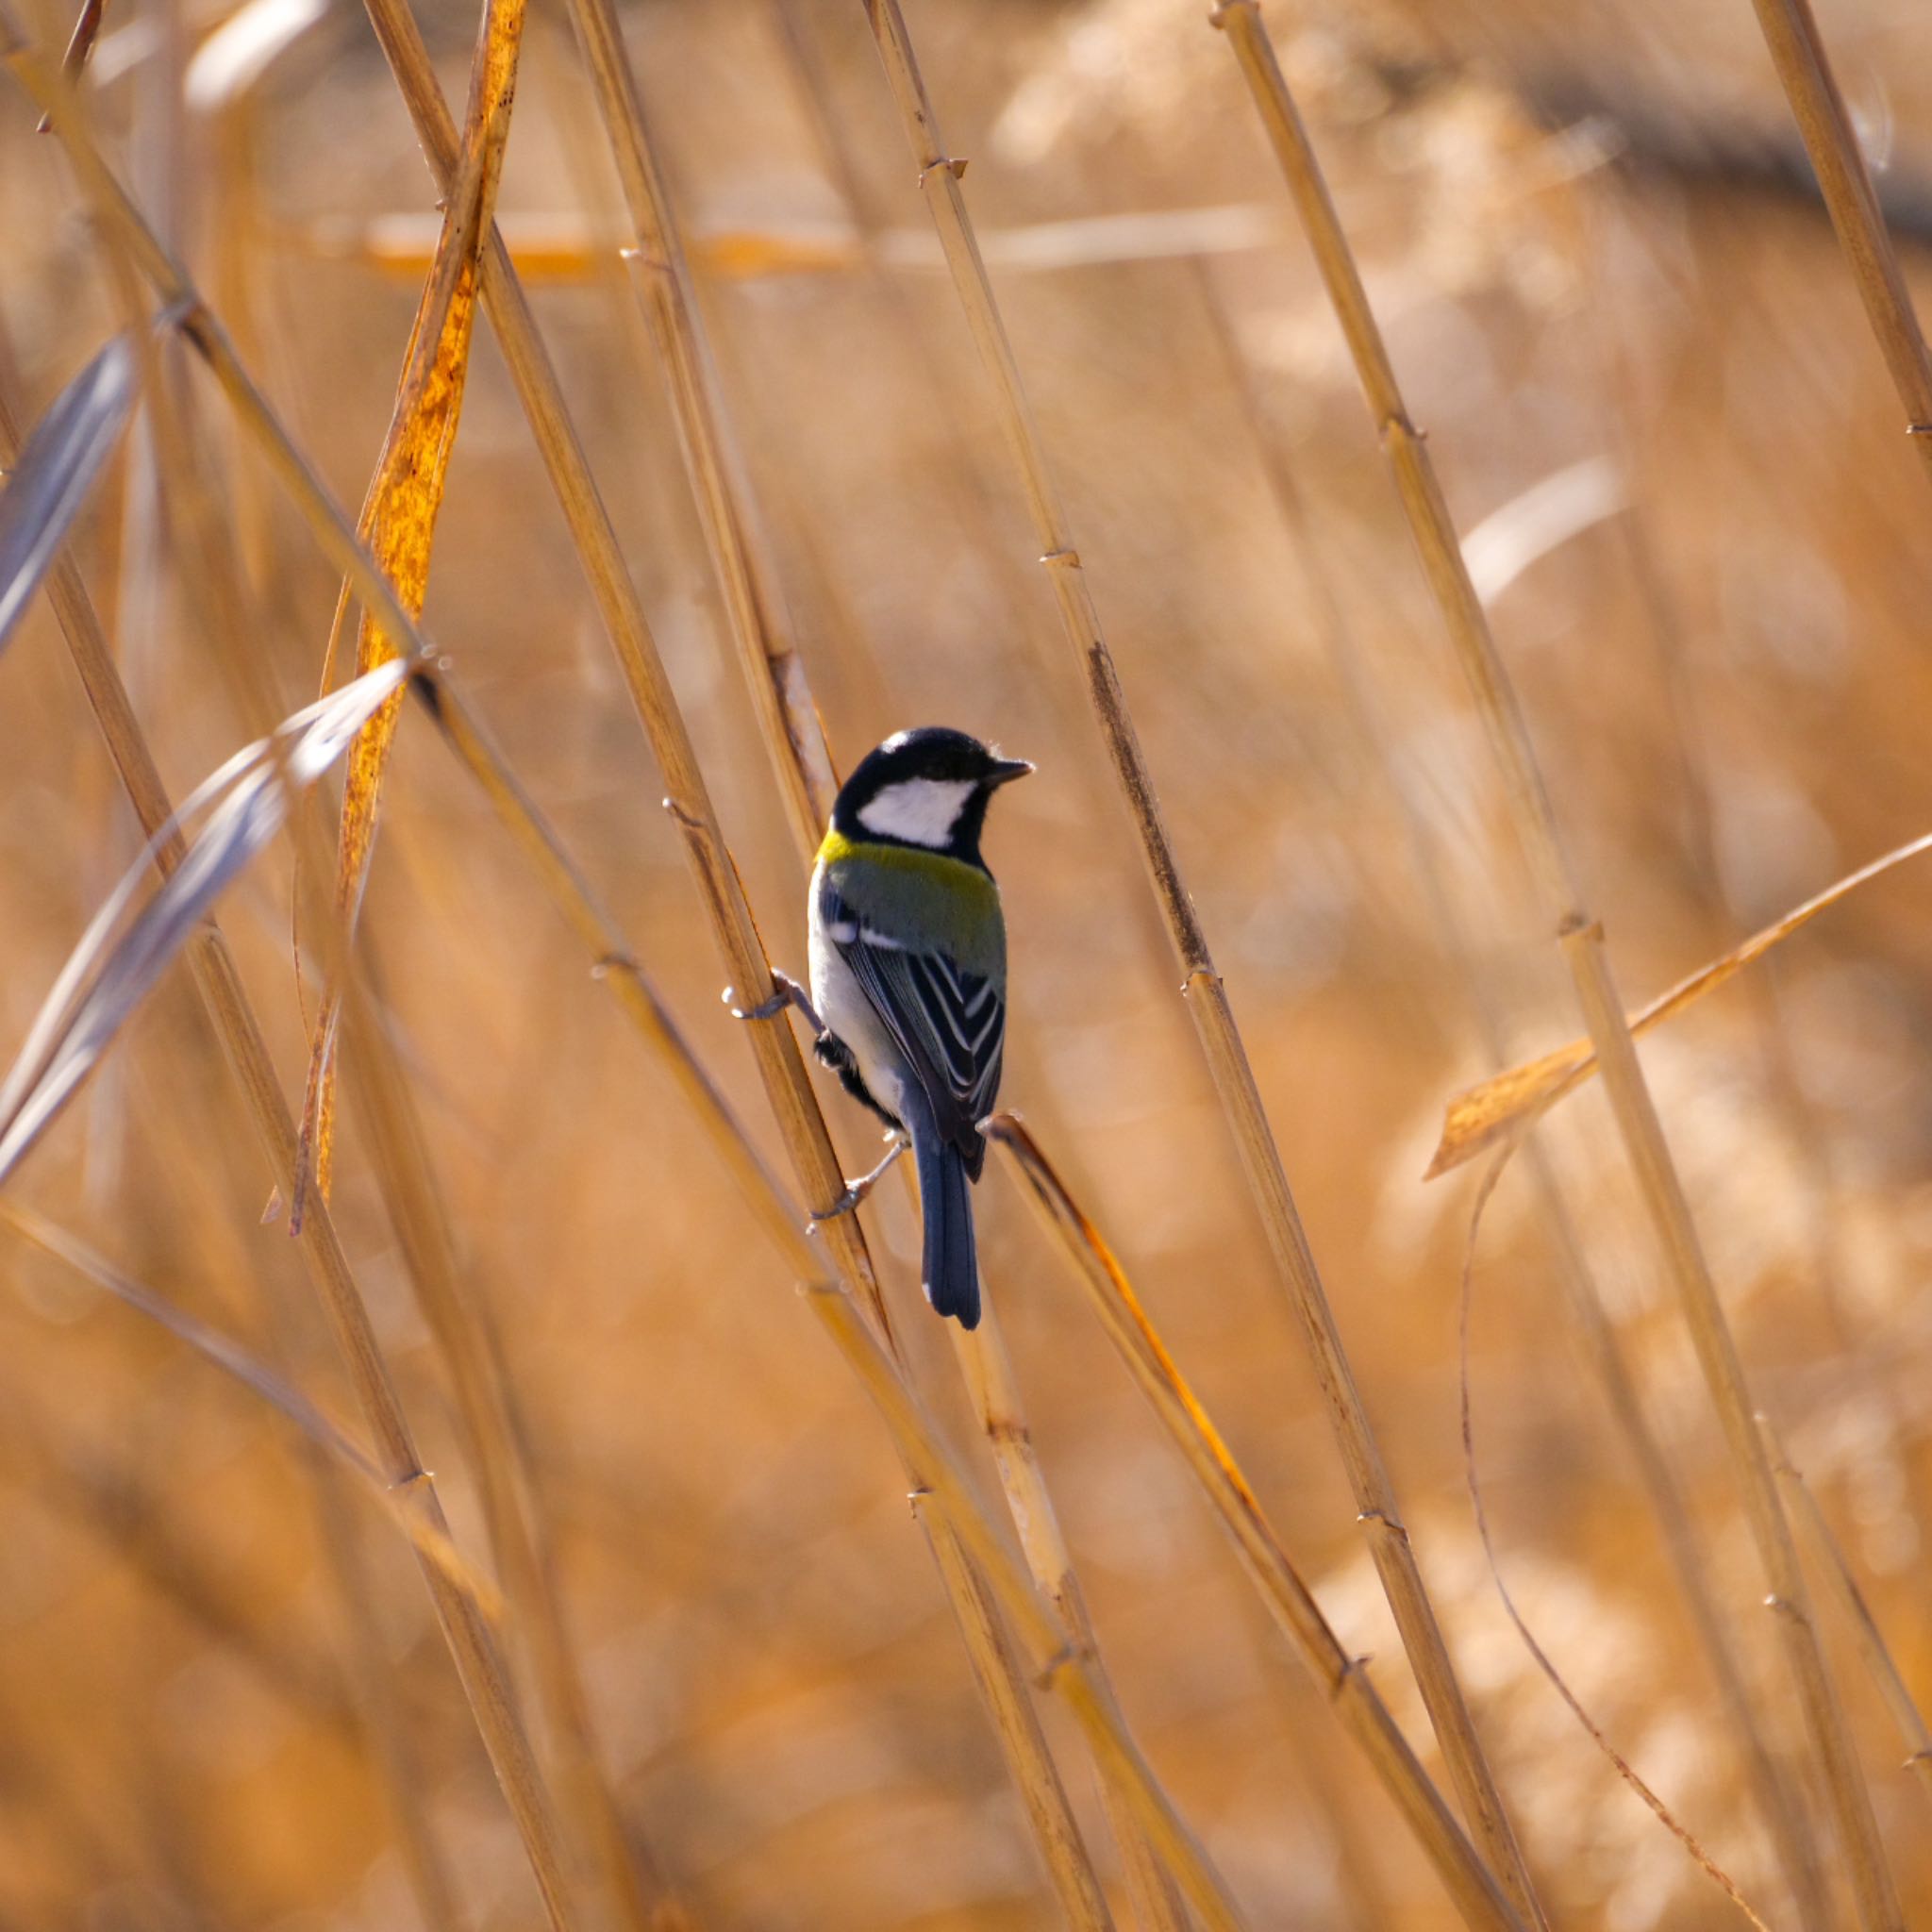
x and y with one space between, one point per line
1582 942
1205 994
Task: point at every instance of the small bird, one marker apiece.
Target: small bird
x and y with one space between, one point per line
909 976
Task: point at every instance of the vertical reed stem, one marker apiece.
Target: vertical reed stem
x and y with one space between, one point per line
1783 1815
1582 942
1804 69
795 745
1206 995
747 582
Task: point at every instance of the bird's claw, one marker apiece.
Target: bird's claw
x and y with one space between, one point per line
857 1191
766 1010
846 1203
786 991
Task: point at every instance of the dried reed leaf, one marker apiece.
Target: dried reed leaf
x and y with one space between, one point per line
1541 519
228 65
119 959
398 521
1481 1115
398 1501
50 484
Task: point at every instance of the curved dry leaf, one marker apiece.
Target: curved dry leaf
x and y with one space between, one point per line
119 959
1482 1115
1541 519
56 472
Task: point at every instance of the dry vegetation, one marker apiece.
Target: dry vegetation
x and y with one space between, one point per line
679 1611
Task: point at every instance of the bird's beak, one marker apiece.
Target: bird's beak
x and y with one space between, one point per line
1006 770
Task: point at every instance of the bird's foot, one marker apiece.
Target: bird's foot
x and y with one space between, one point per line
857 1191
786 992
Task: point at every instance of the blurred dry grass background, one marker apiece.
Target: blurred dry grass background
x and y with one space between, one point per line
1728 680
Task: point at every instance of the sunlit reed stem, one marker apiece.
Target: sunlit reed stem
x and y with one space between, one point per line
1206 996
1582 944
796 745
1783 1814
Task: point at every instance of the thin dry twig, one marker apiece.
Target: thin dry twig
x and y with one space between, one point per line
1557 1682
734 540
1583 948
1206 994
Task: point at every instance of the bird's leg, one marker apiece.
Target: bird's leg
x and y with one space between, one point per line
857 1191
786 992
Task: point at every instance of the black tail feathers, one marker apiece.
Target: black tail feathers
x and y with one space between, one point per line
951 1267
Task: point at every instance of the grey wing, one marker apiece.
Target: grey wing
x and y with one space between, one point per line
949 1023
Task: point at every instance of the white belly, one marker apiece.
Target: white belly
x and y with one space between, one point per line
843 1006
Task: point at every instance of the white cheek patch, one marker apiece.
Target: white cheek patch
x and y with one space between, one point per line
923 811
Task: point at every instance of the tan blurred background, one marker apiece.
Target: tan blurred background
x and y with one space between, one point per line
1588 234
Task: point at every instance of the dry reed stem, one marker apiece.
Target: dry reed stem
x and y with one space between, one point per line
802 764
995 1391
740 559
1060 1667
777 1052
613 962
1583 948
992 1389
1828 1556
466 1336
1804 69
219 986
796 748
1783 1816
471 1643
1206 994
781 1067
1470 1883
397 521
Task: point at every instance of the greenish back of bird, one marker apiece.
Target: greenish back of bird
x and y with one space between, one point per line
936 904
